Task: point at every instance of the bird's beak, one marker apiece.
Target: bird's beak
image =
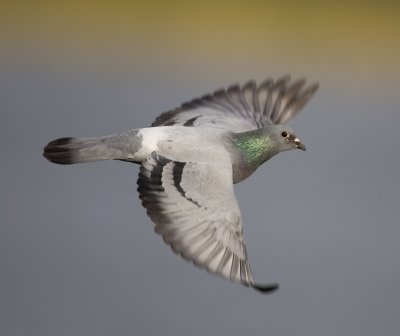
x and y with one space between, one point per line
299 145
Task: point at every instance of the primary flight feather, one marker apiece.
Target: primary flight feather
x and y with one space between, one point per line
190 158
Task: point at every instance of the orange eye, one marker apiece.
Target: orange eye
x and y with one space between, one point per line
284 134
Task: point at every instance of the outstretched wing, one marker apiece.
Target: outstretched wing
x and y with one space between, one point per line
245 108
195 210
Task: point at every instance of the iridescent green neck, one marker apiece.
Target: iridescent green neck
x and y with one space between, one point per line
255 147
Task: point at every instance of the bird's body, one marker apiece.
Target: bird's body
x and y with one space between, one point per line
191 157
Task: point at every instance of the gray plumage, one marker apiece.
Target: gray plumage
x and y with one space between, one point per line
191 157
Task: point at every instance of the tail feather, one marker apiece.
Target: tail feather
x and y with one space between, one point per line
73 150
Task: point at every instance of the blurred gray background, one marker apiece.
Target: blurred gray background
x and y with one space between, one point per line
78 255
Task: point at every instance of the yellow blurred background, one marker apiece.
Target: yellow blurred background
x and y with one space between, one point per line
356 41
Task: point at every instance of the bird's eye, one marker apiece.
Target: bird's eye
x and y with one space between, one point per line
284 134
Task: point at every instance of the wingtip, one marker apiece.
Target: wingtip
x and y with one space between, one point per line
267 288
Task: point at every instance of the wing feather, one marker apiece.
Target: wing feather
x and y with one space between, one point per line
195 210
245 108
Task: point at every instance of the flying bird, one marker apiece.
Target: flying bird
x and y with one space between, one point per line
189 160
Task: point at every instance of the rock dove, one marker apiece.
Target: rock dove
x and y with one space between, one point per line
189 160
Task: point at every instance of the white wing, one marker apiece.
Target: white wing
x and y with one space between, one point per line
241 109
195 210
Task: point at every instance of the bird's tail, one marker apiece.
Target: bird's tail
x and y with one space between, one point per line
78 150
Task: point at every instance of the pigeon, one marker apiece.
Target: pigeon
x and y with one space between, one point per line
191 157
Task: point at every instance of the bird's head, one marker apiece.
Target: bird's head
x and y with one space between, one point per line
284 137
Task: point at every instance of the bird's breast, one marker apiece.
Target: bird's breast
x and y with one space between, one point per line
241 171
